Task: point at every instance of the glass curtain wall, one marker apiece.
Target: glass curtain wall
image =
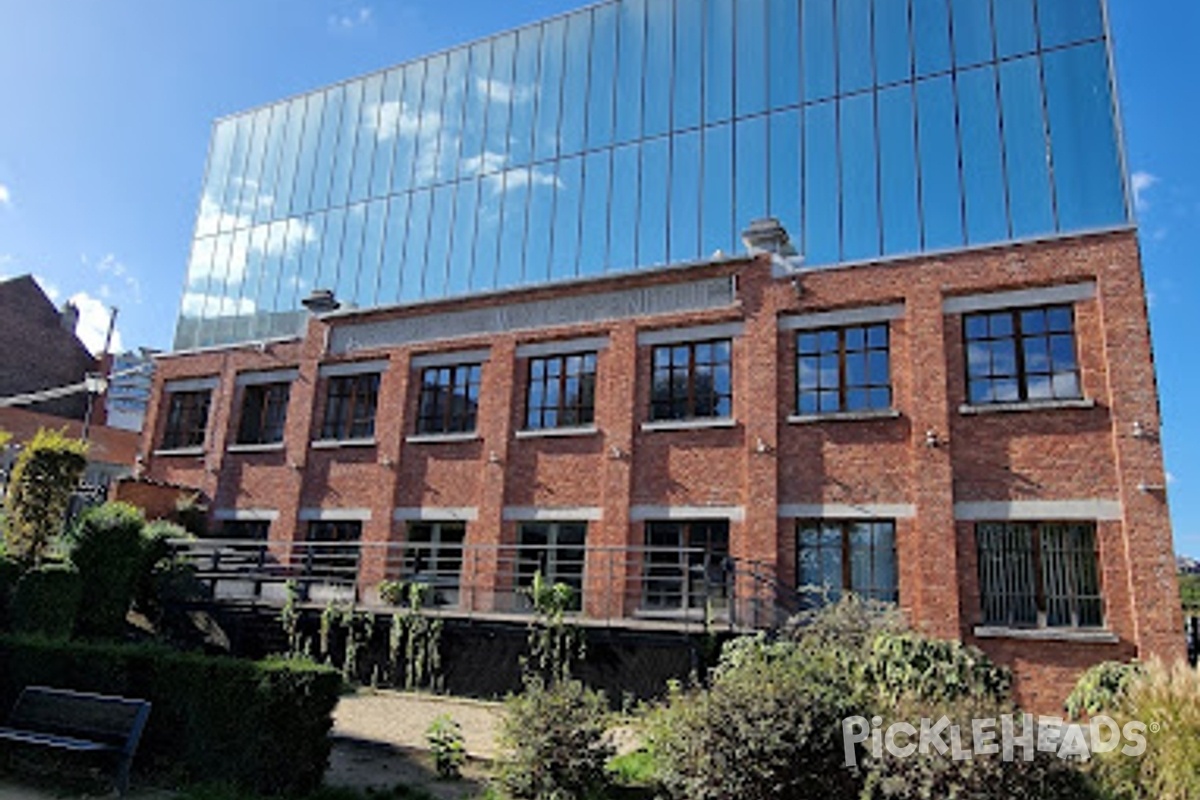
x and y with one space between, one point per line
641 132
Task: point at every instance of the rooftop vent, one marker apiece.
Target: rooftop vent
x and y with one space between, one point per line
321 301
767 235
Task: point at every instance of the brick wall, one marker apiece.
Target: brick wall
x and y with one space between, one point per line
764 461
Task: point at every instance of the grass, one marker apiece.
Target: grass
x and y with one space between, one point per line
221 792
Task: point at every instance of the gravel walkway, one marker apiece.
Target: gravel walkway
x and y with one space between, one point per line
401 719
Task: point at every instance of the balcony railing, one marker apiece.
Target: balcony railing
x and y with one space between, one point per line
646 587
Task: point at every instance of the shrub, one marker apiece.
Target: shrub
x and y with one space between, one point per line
1168 696
553 735
449 749
108 551
162 576
10 572
1101 688
908 665
39 492
262 726
46 601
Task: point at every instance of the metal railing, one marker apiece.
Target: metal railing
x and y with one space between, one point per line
632 586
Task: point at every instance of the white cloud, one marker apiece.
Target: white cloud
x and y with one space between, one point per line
1142 183
94 317
350 20
110 266
1171 479
499 91
5 195
49 288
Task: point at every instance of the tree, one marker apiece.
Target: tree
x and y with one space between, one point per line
1189 591
39 492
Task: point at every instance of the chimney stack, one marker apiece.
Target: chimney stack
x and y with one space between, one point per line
69 317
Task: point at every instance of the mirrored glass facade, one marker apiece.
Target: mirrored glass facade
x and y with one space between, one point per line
636 133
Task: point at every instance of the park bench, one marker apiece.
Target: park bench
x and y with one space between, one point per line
81 723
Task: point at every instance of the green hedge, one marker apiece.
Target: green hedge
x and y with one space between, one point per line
261 725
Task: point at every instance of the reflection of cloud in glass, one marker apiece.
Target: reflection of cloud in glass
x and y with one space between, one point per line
392 117
195 304
233 269
499 91
978 356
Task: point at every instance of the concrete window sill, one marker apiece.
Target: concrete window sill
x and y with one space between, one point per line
1080 635
179 452
442 438
269 447
335 444
844 416
542 433
1031 405
689 424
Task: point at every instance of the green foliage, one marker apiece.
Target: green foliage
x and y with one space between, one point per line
554 644
1189 593
554 743
635 768
1101 688
342 624
908 665
108 550
261 726
289 619
448 746
163 578
393 592
10 572
191 513
46 601
416 638
1168 696
39 492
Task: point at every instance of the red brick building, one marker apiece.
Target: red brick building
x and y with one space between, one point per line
973 435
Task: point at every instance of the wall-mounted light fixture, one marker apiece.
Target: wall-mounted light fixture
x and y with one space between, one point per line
617 454
1140 431
1151 488
761 447
493 457
932 439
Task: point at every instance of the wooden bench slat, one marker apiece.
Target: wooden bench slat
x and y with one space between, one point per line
62 742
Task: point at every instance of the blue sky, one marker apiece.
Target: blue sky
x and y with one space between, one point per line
106 110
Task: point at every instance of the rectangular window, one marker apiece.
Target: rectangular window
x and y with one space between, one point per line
562 391
687 566
1043 574
433 556
248 530
556 550
1021 355
838 556
264 411
692 380
350 407
843 369
187 419
449 399
332 553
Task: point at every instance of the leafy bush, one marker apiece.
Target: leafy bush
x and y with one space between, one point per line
10 572
1168 696
449 748
46 601
39 492
262 726
555 748
1101 688
108 551
162 576
908 665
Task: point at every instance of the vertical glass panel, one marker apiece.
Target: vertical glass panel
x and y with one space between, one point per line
425 160
306 256
287 164
411 286
716 210
245 202
660 23
565 252
352 239
718 60
272 264
1087 165
652 222
524 94
931 36
941 198
307 158
623 209
685 197
331 248
512 236
820 65
293 249
408 124
601 78
854 45
898 172
784 163
1025 157
631 53
438 250
576 111
593 244
500 90
750 172
339 186
452 116
543 186
230 201
983 165
1016 30
475 110
462 243
752 83
859 184
487 233
1066 21
972 31
549 100
264 196
821 190
783 44
368 135
387 119
689 58
893 53
217 174
391 273
372 252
